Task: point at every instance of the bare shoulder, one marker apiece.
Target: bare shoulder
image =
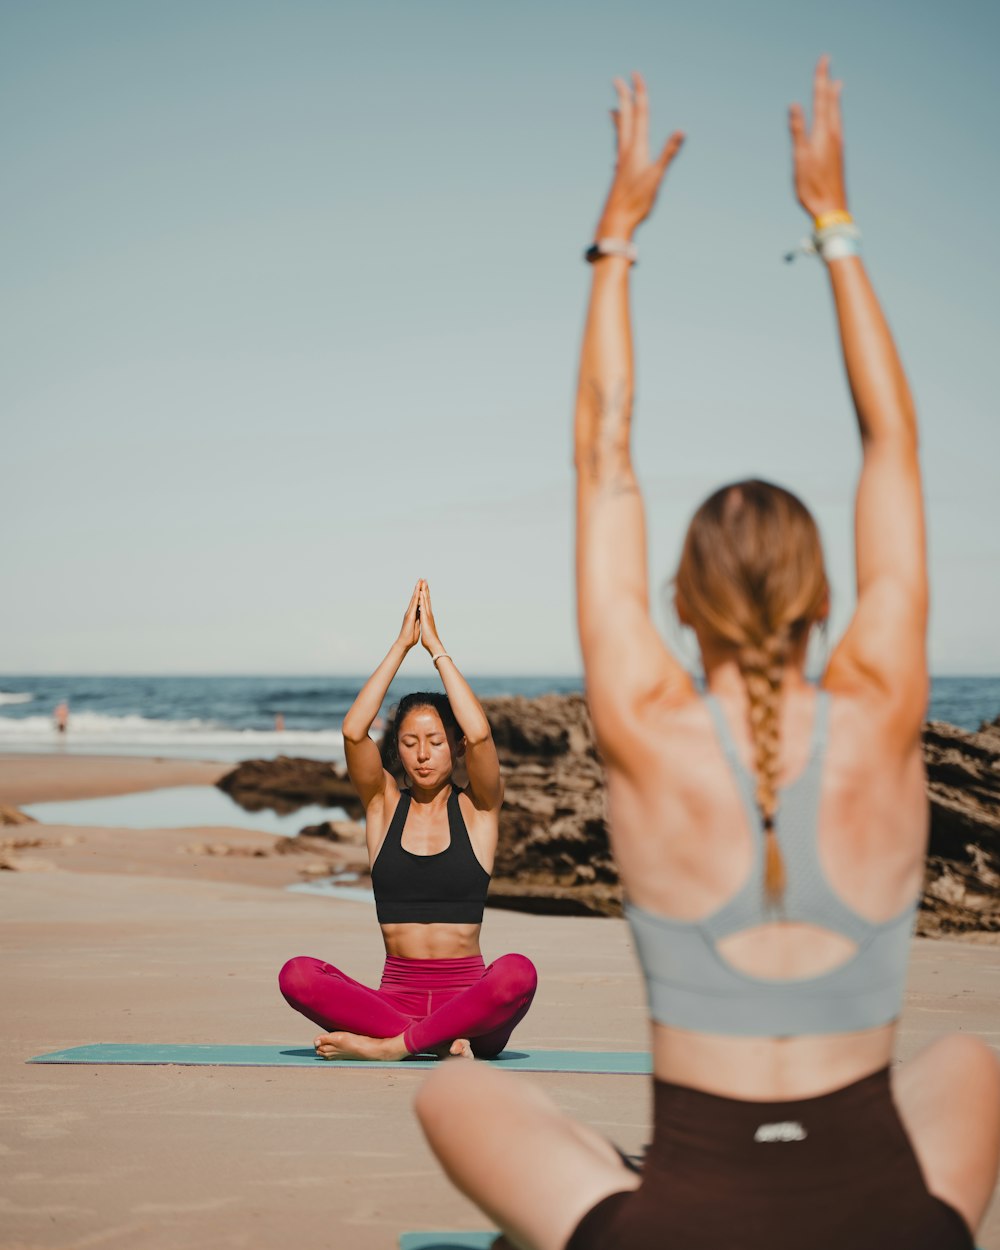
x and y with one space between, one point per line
669 762
660 727
379 813
474 808
479 819
874 791
672 810
483 827
895 704
865 727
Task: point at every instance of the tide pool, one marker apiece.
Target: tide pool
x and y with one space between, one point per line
177 807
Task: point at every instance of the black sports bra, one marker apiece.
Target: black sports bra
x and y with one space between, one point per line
448 888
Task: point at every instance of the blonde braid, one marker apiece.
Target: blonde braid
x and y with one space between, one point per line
763 670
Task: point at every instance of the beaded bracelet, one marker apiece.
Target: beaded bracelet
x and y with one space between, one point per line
836 217
837 241
834 240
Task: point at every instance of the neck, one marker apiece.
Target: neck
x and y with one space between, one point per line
430 796
723 676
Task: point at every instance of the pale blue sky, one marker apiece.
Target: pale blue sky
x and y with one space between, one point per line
294 292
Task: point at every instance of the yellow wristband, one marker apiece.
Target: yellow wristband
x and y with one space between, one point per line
837 217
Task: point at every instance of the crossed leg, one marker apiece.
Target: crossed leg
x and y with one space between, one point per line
536 1172
358 1022
948 1098
486 1013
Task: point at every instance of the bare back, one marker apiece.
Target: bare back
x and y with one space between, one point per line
682 841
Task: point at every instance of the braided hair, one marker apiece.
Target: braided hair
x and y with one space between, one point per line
751 577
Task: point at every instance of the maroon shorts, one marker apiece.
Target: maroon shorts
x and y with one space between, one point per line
827 1173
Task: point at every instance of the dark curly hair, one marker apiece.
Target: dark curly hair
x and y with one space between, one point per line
420 698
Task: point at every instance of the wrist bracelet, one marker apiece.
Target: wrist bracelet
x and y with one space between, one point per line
442 655
836 241
611 247
836 217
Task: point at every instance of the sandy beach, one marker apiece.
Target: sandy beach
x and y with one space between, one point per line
132 936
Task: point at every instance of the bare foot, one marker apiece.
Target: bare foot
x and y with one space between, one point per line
357 1046
461 1047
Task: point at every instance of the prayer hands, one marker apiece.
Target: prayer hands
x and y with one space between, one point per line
409 633
428 630
818 155
637 178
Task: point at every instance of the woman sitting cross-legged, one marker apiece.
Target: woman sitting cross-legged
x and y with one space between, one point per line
431 848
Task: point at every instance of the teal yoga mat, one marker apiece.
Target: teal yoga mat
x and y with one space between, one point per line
447 1241
625 1062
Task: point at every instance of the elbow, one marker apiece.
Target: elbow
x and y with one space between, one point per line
583 459
478 736
354 734
896 430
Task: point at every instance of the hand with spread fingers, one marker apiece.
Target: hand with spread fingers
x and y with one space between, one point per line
818 154
637 176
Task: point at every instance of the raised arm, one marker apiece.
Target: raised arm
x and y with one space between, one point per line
364 762
882 653
625 661
481 761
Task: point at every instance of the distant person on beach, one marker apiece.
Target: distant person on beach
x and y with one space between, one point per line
770 836
279 723
431 847
61 717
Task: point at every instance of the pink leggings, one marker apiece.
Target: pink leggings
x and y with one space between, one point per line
430 1001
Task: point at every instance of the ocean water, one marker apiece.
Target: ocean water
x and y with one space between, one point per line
218 718
233 718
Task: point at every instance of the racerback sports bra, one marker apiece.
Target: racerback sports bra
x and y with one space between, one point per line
689 984
449 887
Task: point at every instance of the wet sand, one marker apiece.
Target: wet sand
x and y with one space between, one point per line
48 778
163 1158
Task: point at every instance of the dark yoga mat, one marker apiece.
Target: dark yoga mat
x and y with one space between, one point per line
447 1241
629 1062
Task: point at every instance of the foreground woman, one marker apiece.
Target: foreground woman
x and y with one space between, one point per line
431 848
770 836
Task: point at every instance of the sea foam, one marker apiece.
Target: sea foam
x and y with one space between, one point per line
94 731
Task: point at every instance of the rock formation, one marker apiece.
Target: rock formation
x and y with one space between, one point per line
962 885
14 816
285 784
553 853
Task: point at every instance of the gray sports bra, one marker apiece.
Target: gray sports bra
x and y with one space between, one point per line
690 985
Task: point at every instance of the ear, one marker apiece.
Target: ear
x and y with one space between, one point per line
460 746
680 607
